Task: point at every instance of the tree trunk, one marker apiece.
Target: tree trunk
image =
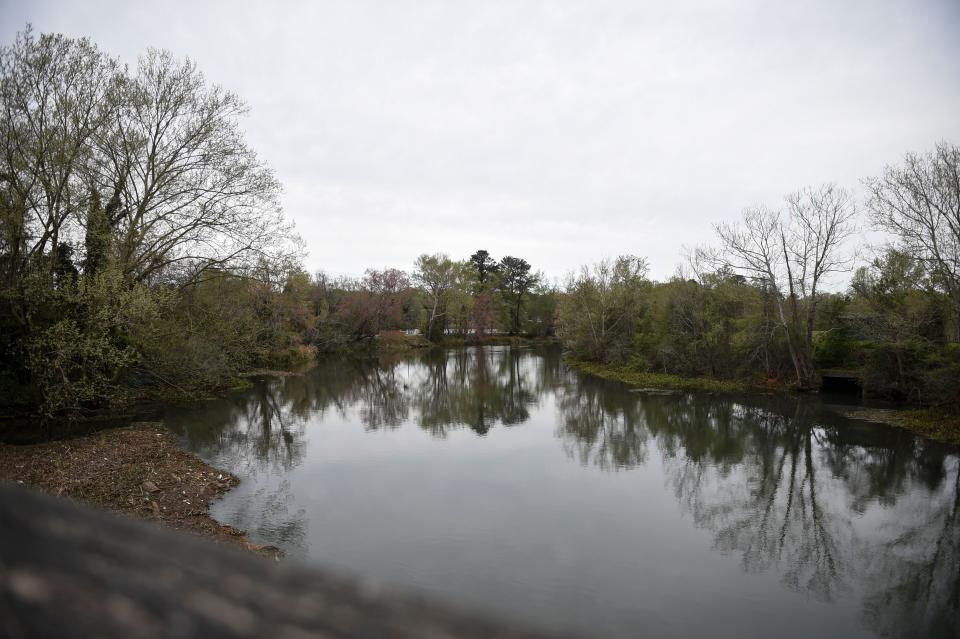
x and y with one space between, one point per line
801 354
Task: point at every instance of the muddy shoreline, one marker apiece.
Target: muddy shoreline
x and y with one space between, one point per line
136 470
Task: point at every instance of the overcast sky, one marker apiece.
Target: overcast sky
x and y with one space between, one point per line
560 132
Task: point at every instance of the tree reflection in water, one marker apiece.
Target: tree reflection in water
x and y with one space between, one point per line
599 427
785 491
842 511
260 430
476 388
251 431
263 428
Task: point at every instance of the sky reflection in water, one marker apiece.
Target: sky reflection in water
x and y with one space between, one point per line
498 479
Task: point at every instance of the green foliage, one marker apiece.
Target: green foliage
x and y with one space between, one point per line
134 264
940 381
78 361
111 290
892 371
439 277
647 379
514 283
485 268
757 311
935 423
542 311
836 348
602 308
698 325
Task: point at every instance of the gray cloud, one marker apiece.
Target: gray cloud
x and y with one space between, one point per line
561 132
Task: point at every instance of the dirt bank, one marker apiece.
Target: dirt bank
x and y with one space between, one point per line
136 470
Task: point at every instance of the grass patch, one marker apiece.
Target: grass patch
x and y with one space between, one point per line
239 383
457 341
934 423
646 379
397 341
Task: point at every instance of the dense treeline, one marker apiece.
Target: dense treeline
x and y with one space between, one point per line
142 247
143 252
754 306
442 298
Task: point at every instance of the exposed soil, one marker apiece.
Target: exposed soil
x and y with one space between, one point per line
136 470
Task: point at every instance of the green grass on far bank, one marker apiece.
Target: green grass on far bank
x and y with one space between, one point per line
455 341
646 379
934 423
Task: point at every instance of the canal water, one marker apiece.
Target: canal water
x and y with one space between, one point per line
498 480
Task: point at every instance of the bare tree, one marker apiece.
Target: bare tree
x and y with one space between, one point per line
161 147
193 195
919 203
56 93
790 253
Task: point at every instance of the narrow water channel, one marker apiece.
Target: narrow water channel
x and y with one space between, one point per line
499 480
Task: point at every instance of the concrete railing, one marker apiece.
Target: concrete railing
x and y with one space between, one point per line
70 571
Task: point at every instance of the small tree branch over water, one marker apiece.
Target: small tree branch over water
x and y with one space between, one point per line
790 253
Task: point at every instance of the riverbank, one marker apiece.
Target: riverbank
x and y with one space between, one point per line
932 423
393 342
137 470
455 341
646 379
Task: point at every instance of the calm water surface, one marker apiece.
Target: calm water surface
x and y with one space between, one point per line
497 479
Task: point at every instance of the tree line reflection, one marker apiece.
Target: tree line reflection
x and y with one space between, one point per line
779 482
263 429
440 391
784 487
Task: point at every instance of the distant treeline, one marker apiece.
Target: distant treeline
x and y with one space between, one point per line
753 307
143 253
